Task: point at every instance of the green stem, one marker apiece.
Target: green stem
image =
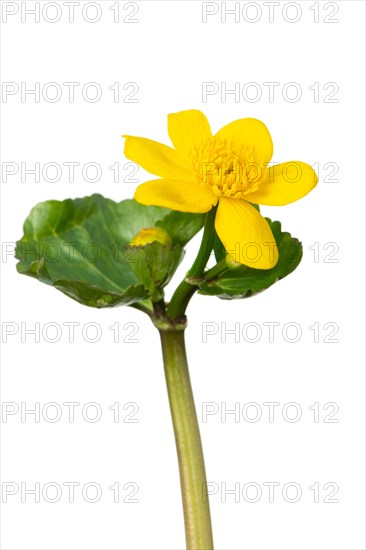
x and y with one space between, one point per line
216 270
185 290
180 300
188 442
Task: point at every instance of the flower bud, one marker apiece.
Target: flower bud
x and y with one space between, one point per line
151 235
153 258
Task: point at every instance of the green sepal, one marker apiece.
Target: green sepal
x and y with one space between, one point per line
244 281
154 264
78 246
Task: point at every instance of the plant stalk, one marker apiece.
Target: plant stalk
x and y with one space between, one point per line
188 442
185 290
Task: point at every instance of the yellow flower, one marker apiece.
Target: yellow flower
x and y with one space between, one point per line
229 168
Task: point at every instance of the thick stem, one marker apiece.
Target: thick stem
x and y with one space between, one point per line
188 442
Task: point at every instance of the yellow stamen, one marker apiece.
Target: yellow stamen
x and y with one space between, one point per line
228 172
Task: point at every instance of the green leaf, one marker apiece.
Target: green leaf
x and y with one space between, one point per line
94 296
78 246
182 226
244 281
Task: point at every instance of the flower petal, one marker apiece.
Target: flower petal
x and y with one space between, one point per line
286 182
245 234
187 129
156 158
184 196
249 131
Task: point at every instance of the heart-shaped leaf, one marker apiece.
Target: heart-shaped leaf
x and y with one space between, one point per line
244 281
78 246
181 226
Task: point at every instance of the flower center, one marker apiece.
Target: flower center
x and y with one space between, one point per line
228 171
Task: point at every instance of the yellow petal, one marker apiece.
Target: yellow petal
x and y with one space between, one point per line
156 158
245 234
184 196
286 182
247 132
188 129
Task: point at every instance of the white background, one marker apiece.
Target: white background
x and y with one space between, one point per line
169 53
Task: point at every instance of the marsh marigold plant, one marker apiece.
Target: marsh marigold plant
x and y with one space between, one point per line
213 182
